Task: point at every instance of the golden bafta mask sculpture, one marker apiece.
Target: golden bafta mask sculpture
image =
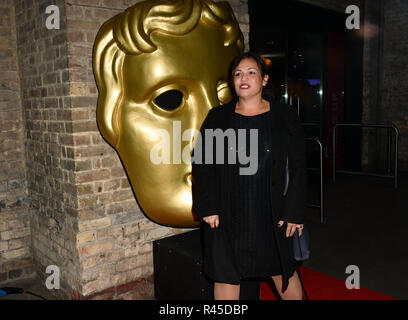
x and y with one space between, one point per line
161 65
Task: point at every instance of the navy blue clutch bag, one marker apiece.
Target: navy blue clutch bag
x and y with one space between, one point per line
301 245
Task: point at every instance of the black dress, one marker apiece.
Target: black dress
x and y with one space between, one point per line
247 242
250 226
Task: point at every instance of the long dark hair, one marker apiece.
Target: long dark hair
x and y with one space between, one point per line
263 67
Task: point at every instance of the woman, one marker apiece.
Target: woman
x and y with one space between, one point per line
249 220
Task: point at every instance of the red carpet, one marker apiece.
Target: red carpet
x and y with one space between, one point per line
320 286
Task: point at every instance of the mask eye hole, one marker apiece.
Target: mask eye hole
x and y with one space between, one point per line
169 100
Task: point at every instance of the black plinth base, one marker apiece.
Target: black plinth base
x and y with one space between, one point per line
178 271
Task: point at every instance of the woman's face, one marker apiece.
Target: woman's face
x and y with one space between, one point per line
247 78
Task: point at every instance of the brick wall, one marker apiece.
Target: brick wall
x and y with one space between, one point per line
240 8
44 78
15 253
104 202
394 70
372 84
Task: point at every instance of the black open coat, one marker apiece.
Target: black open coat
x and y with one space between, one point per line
211 189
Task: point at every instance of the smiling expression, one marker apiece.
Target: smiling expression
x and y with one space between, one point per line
247 79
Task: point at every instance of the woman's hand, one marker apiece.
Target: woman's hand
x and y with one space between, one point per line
291 228
213 221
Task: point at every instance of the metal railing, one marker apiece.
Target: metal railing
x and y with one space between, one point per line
321 204
389 175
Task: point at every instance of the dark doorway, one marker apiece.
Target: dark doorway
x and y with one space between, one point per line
316 68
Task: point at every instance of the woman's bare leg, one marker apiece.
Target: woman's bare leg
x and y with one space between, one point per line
294 289
226 291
